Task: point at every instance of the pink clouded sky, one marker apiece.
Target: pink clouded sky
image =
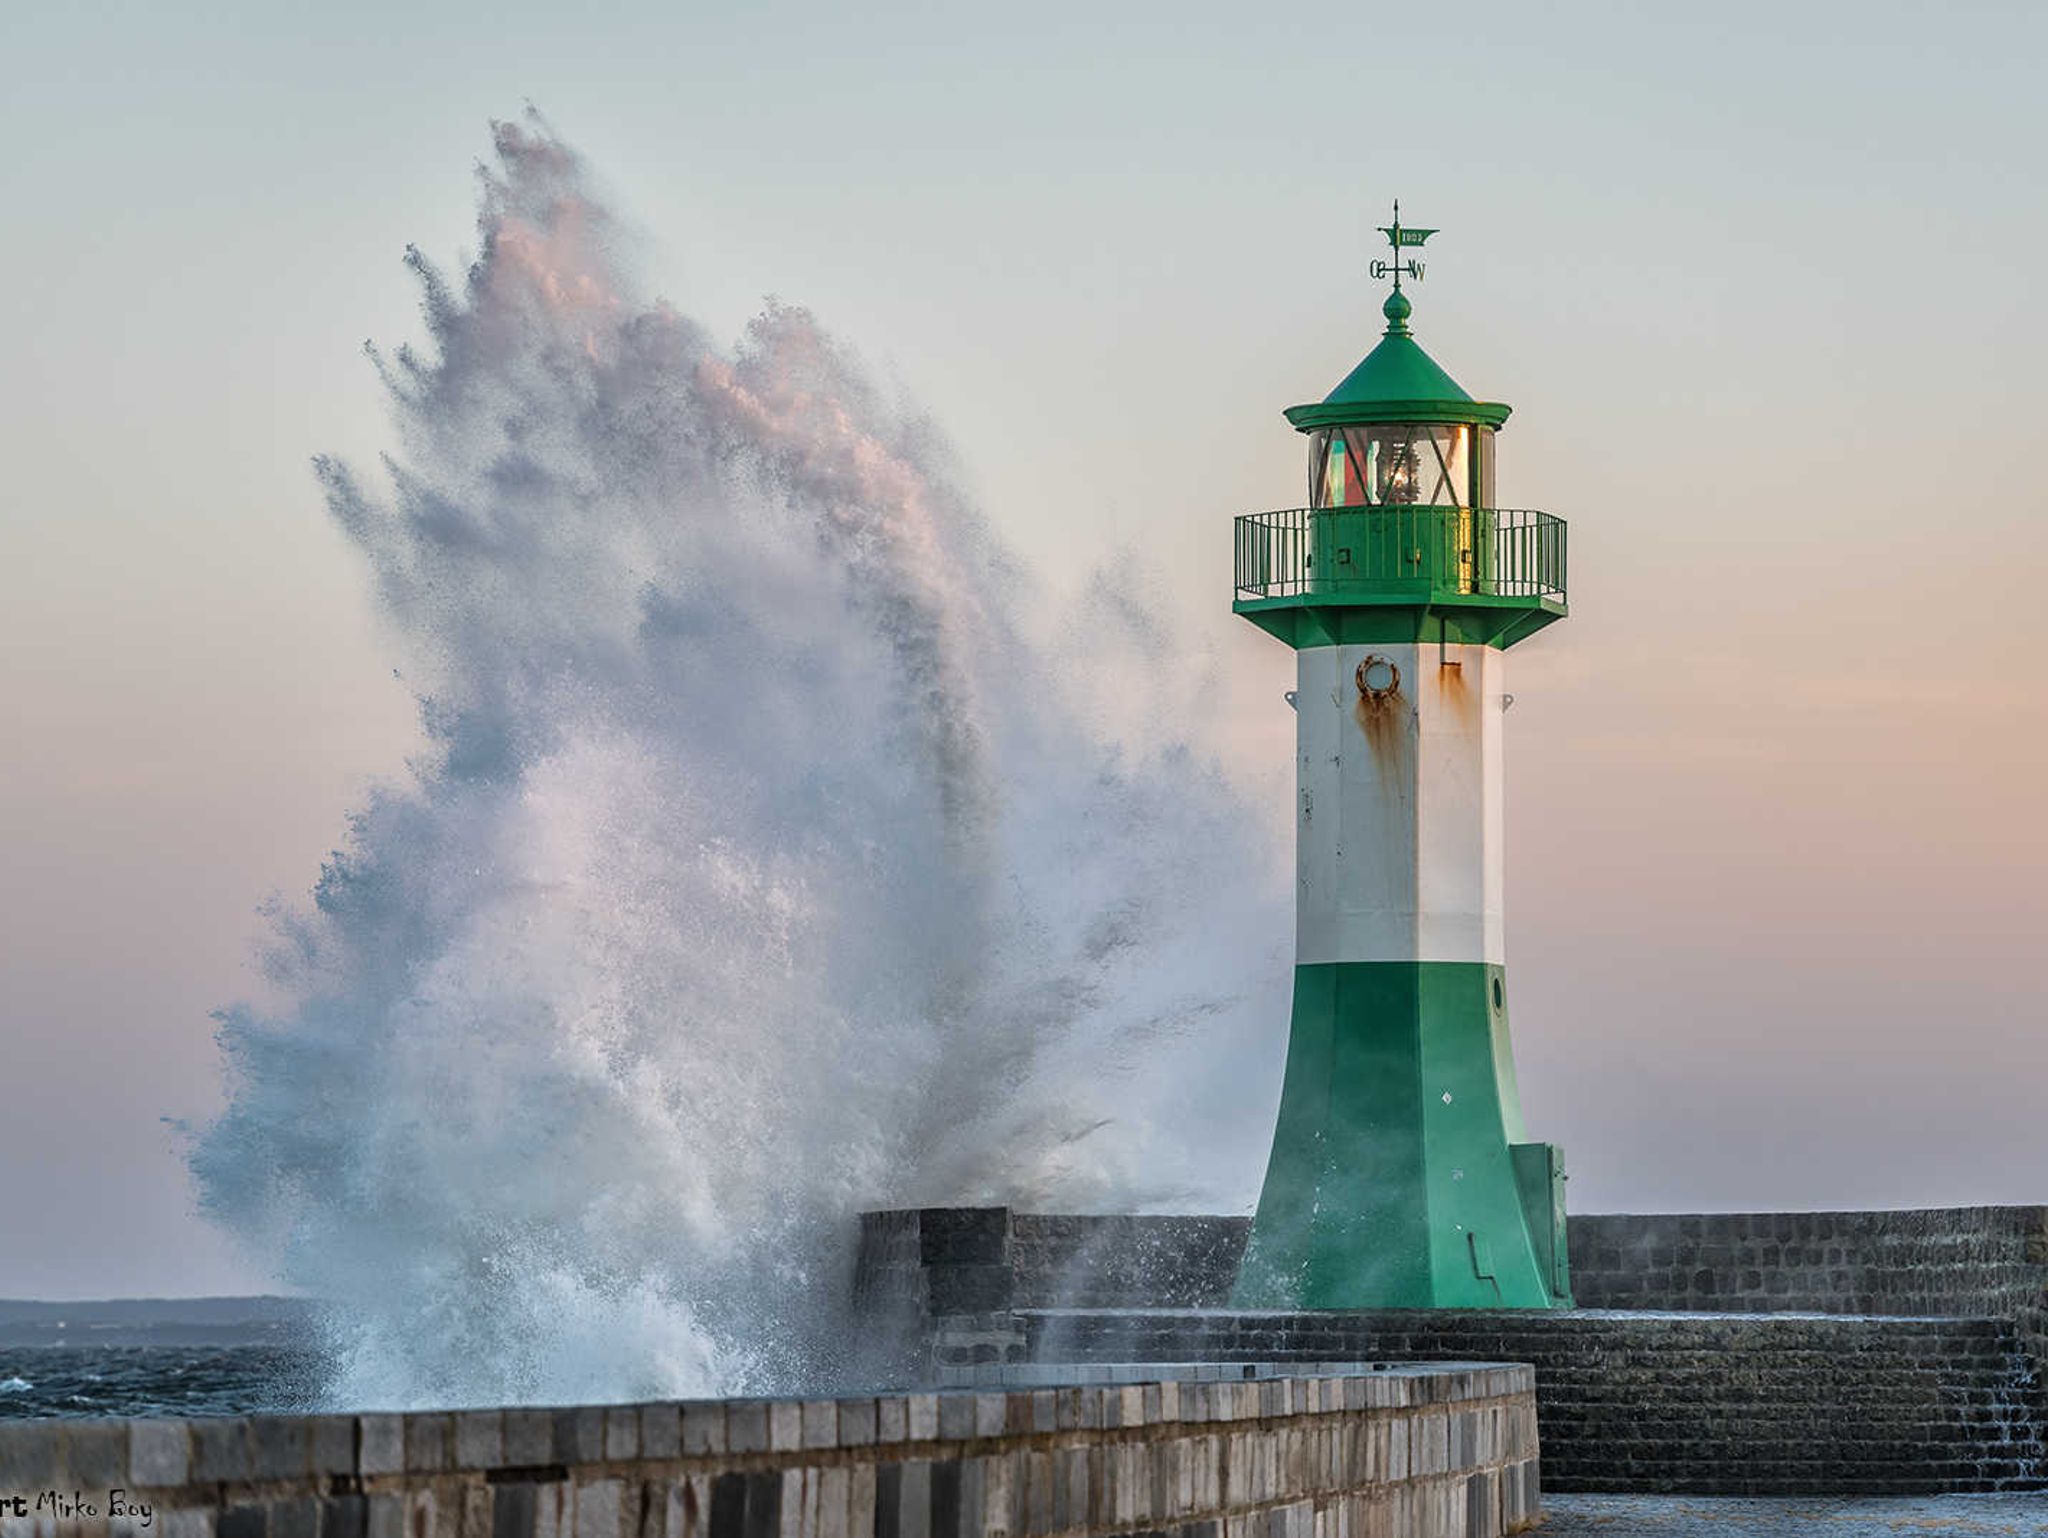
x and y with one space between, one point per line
1760 285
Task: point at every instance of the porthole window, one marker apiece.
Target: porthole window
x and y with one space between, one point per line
1378 677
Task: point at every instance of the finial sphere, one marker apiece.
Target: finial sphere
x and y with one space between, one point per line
1397 309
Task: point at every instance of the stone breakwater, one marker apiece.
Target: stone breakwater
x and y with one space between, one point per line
1693 1403
1735 1354
1953 1262
1413 1452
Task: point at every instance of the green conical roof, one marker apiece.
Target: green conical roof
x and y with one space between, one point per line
1397 382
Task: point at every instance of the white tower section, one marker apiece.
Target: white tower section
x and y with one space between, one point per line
1399 809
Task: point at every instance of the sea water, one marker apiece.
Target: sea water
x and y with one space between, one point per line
100 1381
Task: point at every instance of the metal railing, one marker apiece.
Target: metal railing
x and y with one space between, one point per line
1393 553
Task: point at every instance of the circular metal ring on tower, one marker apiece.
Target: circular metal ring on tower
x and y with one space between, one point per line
1378 678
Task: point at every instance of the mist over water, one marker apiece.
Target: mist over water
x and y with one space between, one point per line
761 865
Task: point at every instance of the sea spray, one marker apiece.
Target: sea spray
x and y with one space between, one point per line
759 866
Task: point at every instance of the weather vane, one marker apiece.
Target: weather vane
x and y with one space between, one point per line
1397 237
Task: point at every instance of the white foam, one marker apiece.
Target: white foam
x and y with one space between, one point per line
761 867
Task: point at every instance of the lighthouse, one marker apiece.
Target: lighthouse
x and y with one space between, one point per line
1400 1175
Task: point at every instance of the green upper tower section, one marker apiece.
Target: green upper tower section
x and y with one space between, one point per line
1402 537
1397 382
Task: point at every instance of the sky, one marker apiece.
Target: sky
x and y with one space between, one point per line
1758 280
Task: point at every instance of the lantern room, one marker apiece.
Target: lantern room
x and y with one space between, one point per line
1401 515
1432 464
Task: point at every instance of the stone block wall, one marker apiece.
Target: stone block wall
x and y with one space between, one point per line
1430 1453
1125 1262
1704 1404
1985 1262
1976 1262
935 1261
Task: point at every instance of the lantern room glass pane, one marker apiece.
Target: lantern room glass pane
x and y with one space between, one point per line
1391 464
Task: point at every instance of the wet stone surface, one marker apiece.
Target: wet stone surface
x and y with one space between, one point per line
1699 1516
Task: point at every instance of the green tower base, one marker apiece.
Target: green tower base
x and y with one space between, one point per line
1398 1178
